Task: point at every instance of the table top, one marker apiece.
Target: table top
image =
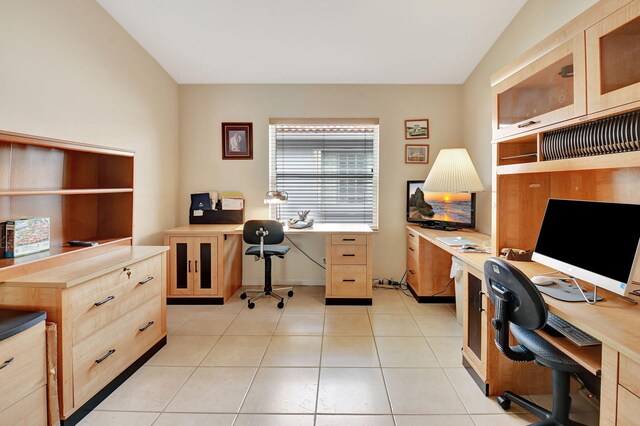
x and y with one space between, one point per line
318 228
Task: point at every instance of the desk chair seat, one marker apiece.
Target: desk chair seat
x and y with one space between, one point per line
520 308
269 234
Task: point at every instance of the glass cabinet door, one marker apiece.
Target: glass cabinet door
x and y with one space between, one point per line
547 91
180 266
613 59
205 266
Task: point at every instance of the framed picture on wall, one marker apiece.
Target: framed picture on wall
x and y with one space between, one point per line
237 141
416 129
416 154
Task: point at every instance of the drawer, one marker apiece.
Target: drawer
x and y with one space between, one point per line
349 281
27 371
413 272
630 374
102 356
141 271
628 404
412 250
29 411
348 239
349 254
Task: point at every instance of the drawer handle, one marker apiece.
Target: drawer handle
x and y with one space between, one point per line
411 272
480 294
7 363
189 266
348 239
105 356
149 324
196 266
102 302
527 124
348 255
146 280
411 248
348 281
412 236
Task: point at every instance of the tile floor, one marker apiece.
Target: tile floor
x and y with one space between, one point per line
394 363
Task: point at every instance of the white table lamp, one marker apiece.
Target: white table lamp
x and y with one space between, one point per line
453 171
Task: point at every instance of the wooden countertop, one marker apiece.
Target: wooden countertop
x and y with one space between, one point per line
319 228
74 273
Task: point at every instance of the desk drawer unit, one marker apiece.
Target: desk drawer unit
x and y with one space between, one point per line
29 411
349 266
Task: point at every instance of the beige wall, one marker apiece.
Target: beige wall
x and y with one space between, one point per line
69 71
204 107
536 20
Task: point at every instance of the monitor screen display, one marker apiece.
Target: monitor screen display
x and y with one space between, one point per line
444 207
593 241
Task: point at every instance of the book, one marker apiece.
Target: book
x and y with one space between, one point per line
201 201
232 204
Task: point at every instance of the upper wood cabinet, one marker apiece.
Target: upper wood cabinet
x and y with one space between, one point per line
613 59
548 90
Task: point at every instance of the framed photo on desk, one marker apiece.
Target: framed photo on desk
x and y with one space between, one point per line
237 141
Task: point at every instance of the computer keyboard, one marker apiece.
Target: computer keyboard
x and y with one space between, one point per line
571 332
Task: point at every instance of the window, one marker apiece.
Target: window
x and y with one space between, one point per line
330 169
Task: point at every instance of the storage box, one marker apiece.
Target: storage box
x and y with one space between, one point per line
26 236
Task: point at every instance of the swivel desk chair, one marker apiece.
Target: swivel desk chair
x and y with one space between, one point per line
267 233
519 307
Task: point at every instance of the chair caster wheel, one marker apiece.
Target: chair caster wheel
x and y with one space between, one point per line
290 294
243 296
504 403
251 305
280 305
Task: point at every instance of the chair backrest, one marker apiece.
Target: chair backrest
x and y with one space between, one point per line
516 300
273 227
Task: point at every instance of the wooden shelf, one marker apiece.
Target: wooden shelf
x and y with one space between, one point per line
608 161
27 192
590 357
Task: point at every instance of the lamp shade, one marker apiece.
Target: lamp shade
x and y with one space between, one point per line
453 171
276 197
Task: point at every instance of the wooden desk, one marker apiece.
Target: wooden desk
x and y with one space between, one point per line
205 262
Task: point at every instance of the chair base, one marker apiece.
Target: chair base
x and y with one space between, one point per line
264 293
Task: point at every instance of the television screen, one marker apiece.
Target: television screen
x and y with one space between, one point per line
443 207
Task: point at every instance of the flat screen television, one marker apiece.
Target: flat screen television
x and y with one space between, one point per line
440 210
591 240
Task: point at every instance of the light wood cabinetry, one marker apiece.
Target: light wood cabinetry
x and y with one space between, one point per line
110 312
428 268
205 263
349 267
613 59
23 378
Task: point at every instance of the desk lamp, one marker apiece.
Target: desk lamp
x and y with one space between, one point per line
277 198
453 171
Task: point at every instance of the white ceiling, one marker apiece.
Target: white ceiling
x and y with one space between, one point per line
315 41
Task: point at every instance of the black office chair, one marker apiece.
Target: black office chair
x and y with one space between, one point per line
519 307
267 233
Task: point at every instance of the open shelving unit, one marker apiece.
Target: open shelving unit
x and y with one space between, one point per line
86 191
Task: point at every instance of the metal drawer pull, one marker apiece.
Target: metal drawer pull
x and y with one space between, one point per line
411 248
348 281
480 294
7 363
146 280
411 235
102 302
149 324
189 266
348 239
527 124
196 266
105 356
411 272
348 255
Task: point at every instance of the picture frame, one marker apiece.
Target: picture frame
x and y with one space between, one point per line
237 141
416 154
417 128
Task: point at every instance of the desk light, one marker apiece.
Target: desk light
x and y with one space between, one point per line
453 171
277 198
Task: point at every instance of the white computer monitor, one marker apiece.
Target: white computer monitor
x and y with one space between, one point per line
591 240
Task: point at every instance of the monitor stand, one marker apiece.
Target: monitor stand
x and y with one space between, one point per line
568 292
438 226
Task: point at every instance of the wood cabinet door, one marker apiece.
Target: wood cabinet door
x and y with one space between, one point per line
181 266
613 59
474 319
549 90
205 266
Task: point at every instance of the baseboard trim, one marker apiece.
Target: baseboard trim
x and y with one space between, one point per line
432 299
88 406
484 387
195 301
346 301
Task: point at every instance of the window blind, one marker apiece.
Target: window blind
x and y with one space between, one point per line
331 170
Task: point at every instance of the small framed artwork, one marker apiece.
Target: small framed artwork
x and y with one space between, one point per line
416 154
416 129
237 141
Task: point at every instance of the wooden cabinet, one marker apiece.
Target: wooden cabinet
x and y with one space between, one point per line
110 313
620 389
428 268
547 91
613 59
476 333
348 267
205 263
23 377
193 266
